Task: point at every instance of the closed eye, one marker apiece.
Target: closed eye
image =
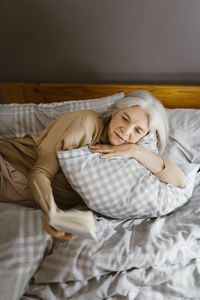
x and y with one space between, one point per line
125 118
138 131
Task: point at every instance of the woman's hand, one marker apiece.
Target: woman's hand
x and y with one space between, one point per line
125 150
152 161
55 233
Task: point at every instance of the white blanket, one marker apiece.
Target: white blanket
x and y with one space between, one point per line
143 259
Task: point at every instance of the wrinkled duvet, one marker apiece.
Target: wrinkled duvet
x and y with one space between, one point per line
133 259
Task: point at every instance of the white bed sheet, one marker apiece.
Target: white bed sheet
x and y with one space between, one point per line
153 261
135 259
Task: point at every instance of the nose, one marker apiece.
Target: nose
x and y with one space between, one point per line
128 131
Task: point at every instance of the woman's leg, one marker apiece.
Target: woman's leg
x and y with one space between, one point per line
13 186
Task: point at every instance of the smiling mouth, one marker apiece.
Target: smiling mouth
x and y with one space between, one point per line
119 137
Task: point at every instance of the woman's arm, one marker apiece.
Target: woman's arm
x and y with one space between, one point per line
70 131
165 170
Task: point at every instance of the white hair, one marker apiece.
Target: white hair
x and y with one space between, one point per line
158 119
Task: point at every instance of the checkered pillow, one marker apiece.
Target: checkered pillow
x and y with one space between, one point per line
19 119
120 188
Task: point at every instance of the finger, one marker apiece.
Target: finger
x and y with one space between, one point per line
69 236
98 149
97 145
114 153
55 233
102 150
59 234
108 155
50 230
100 146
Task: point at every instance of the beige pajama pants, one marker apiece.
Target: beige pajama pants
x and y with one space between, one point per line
13 186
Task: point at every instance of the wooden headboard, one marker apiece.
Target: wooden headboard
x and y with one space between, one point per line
172 96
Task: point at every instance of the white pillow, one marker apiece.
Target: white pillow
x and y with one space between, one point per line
121 188
184 135
19 119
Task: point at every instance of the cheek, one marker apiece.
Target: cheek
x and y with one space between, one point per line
111 125
115 122
136 139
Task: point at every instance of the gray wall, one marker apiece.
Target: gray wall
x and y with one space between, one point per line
105 41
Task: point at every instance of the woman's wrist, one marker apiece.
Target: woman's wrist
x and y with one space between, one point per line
148 159
135 151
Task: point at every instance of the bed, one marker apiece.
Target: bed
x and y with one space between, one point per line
141 258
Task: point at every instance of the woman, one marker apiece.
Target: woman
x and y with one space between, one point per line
116 132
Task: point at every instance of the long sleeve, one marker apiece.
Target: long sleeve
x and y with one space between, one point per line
70 131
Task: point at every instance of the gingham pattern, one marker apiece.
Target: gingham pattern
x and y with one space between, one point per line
122 188
19 119
149 253
125 245
23 245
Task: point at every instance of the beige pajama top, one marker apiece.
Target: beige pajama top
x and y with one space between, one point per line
35 155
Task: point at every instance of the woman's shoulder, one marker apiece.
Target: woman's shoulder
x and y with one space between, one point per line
81 119
90 117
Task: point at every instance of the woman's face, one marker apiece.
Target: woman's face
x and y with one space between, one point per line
128 125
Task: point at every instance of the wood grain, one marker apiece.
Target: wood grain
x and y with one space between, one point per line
172 96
